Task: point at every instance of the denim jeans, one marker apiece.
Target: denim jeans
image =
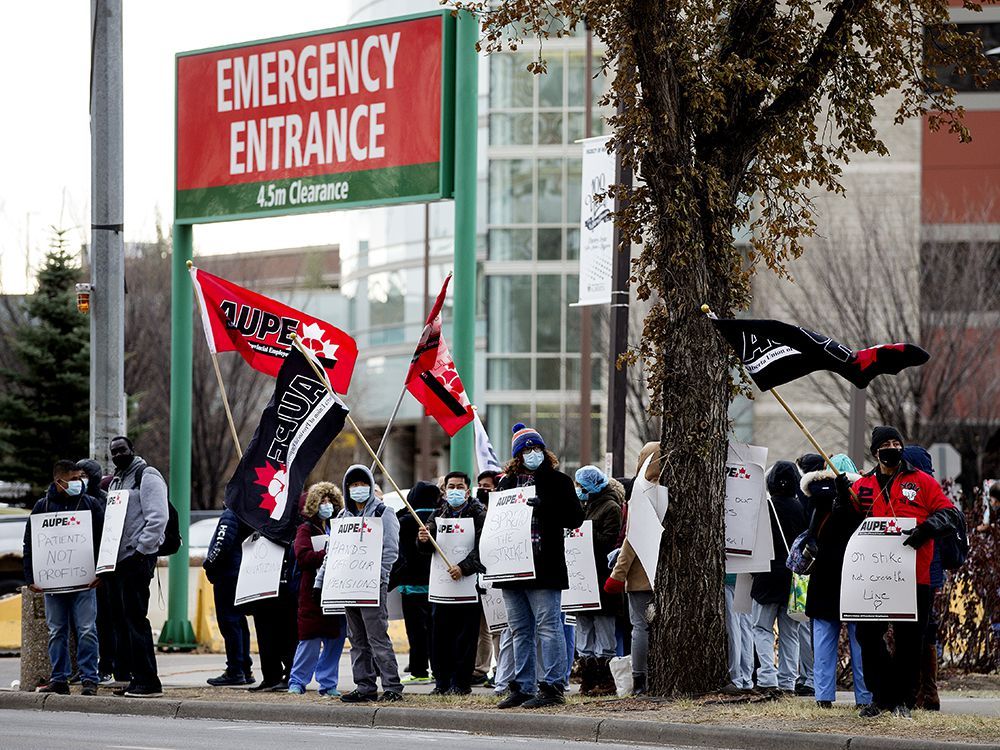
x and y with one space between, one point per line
595 635
764 616
534 616
826 636
319 656
638 604
77 609
505 662
739 636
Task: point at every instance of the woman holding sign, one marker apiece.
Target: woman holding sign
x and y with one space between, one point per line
533 606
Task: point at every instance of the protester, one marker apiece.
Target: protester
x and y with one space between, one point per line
595 630
275 621
411 573
533 607
76 610
321 637
222 568
829 533
489 644
739 639
805 683
105 619
898 489
368 627
486 483
455 626
142 534
770 590
994 509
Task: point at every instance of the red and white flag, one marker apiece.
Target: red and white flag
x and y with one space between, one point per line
433 379
260 329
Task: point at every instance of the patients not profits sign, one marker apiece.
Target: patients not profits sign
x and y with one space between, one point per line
317 121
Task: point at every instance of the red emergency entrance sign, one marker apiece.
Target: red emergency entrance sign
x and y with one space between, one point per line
315 122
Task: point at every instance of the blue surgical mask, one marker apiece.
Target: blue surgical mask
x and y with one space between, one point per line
582 494
360 494
325 511
455 498
74 487
533 459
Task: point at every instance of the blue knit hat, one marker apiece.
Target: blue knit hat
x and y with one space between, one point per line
592 479
524 437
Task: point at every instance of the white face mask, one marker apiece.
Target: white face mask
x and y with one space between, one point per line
74 487
533 459
360 495
325 511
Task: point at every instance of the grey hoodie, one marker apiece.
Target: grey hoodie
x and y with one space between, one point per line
146 514
374 508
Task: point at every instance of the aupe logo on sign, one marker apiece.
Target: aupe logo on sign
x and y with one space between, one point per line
49 523
451 528
735 472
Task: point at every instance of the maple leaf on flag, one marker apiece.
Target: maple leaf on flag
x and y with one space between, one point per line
275 479
313 338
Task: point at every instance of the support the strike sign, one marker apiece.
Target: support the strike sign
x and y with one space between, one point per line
457 537
353 575
879 578
354 116
505 544
62 551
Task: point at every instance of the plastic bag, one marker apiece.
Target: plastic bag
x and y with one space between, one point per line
621 670
797 597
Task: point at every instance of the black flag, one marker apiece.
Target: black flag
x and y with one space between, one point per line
298 424
775 353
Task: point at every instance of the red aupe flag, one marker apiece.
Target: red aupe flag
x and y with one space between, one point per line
433 379
260 329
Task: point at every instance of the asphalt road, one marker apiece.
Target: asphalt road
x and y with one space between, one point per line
50 730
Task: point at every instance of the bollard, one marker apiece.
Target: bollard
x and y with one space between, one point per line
35 666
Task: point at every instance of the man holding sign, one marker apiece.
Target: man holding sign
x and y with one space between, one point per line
455 617
60 549
900 492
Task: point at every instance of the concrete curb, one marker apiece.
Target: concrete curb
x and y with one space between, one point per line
496 723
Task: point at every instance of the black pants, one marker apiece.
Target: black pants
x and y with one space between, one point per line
106 636
453 644
129 590
417 619
274 620
893 678
233 626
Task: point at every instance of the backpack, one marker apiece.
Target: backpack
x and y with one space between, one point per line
172 533
953 546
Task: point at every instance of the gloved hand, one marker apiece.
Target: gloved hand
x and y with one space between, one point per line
843 489
810 549
613 586
531 501
920 535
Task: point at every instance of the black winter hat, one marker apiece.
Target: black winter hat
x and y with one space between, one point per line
810 462
424 495
881 434
783 479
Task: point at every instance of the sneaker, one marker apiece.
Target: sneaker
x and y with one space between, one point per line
228 679
458 691
249 679
331 693
268 687
417 679
120 691
143 691
804 691
56 686
869 712
74 679
356 696
296 689
437 691
479 679
548 695
729 689
489 683
89 688
824 704
903 712
514 699
106 680
390 696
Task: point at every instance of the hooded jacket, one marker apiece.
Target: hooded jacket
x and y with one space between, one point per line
604 510
225 550
413 568
788 520
57 502
94 478
473 509
146 514
312 623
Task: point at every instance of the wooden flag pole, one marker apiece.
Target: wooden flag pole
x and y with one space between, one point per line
326 381
222 385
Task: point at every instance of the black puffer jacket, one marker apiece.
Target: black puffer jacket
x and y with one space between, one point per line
783 484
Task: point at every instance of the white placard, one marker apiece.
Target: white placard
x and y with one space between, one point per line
260 570
643 532
741 594
584 592
760 560
353 576
111 536
62 551
494 608
319 542
657 495
597 230
505 544
744 496
457 537
879 578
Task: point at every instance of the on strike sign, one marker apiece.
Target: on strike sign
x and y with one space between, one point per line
316 121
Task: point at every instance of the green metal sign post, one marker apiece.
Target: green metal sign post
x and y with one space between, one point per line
391 143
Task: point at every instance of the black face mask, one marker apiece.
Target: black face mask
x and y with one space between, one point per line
122 461
483 495
890 456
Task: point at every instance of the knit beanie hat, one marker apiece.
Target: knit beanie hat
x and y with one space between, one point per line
524 437
591 479
881 434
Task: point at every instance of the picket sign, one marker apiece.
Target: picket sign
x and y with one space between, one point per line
879 578
353 576
260 570
457 537
62 551
583 594
319 542
763 553
494 608
744 496
505 544
646 511
111 536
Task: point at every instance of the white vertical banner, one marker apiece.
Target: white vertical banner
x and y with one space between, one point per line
584 592
486 457
744 496
457 537
111 536
62 551
596 225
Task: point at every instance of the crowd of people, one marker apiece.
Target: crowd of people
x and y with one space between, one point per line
530 663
